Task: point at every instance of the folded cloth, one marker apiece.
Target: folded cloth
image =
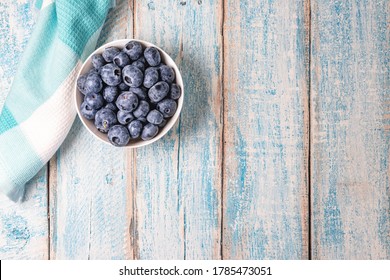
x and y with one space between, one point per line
38 112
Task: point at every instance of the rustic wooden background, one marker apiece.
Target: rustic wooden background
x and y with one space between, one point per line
281 151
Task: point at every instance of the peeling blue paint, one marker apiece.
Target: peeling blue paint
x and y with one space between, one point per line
76 180
151 6
16 231
108 179
333 226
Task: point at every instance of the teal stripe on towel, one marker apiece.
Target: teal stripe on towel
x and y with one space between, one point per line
80 21
7 120
38 4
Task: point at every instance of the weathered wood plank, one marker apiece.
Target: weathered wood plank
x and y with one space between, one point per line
350 129
179 178
265 204
90 200
200 147
23 227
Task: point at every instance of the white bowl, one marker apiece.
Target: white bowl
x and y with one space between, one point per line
89 124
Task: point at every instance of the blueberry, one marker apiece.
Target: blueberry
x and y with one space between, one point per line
111 106
150 77
175 92
121 60
143 120
167 107
149 131
93 71
167 74
158 92
140 92
132 76
93 83
109 53
127 101
111 74
124 117
142 109
98 61
152 56
118 135
142 59
110 93
81 83
163 123
140 65
104 119
155 117
135 128
133 49
123 87
94 100
87 112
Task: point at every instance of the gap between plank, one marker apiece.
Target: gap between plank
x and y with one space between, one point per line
134 14
48 210
51 201
181 47
309 131
132 160
133 230
179 196
223 127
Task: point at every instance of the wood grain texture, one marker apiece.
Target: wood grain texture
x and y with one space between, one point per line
90 203
265 204
350 129
23 227
179 177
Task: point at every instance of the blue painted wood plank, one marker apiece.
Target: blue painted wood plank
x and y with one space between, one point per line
350 94
200 146
178 191
265 204
90 183
23 227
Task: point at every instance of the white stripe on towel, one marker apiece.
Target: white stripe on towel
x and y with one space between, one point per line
48 126
46 3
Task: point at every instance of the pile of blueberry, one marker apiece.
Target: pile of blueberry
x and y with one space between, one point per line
129 93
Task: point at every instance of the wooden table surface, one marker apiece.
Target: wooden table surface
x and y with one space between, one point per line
281 151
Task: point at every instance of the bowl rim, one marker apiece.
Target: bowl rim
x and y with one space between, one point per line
120 43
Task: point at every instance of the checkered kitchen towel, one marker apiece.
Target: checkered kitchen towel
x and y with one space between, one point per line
38 111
